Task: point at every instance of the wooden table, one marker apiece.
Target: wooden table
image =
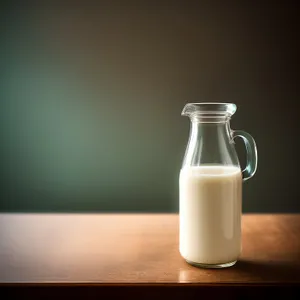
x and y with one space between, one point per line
45 254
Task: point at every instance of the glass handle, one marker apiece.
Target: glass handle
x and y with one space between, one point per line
251 149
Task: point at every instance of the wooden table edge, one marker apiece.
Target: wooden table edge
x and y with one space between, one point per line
147 284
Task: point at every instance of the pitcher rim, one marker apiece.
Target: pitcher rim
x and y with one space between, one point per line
224 108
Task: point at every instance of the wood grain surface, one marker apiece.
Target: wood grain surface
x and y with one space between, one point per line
138 249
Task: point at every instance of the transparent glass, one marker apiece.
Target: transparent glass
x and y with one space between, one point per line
210 186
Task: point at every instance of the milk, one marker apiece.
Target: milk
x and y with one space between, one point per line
210 214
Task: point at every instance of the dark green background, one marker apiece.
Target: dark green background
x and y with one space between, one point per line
91 97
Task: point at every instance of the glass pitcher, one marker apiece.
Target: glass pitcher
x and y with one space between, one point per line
210 187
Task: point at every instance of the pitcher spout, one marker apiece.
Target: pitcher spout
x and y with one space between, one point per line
189 109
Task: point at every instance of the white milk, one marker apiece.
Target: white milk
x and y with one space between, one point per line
210 214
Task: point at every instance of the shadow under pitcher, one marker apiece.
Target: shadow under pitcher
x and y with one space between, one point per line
210 187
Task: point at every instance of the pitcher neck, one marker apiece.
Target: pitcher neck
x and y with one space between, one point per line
210 126
210 119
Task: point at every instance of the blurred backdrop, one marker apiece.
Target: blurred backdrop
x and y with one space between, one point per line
91 96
